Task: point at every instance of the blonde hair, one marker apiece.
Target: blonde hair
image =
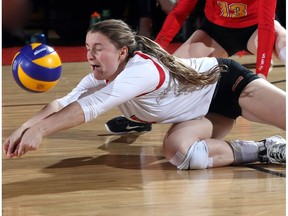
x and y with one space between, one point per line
120 35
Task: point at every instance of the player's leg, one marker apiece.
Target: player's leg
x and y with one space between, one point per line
189 145
200 44
279 48
263 102
280 43
221 125
167 6
192 141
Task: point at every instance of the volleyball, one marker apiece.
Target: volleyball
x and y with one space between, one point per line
36 67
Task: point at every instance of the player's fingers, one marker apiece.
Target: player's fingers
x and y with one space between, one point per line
11 148
20 150
23 149
6 146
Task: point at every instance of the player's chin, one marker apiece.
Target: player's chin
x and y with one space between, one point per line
98 75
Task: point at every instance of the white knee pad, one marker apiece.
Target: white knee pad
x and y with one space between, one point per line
196 158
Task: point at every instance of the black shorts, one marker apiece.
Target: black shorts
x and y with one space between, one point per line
225 100
232 40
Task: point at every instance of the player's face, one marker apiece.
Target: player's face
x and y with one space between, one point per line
104 58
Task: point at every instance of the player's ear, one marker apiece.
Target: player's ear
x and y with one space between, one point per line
123 53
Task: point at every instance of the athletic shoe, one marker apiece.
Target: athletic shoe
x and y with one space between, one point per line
274 151
120 125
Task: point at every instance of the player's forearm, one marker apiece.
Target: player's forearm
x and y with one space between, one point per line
266 36
174 22
68 117
50 108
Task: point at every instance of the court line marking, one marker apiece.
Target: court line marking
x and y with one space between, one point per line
261 169
18 105
278 81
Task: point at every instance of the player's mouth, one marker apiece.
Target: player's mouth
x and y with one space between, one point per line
95 67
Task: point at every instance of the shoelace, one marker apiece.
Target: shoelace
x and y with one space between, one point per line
277 153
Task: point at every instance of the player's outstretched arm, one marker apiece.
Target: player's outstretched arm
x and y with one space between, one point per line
26 139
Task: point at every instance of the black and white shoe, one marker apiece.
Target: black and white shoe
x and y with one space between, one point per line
274 151
120 125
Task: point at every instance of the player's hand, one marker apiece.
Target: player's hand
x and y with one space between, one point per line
29 141
12 141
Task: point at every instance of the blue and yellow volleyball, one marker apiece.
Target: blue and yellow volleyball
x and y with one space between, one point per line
36 67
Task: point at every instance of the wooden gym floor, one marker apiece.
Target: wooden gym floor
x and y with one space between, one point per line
85 171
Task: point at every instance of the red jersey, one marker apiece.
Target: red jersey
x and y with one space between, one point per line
230 14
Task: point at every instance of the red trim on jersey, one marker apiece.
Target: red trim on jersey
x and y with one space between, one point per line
135 118
159 68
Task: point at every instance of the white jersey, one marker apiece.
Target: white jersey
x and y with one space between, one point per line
138 92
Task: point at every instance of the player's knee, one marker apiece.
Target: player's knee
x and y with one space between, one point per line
196 157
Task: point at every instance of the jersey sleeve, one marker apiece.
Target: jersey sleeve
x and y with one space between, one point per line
174 21
266 35
86 86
